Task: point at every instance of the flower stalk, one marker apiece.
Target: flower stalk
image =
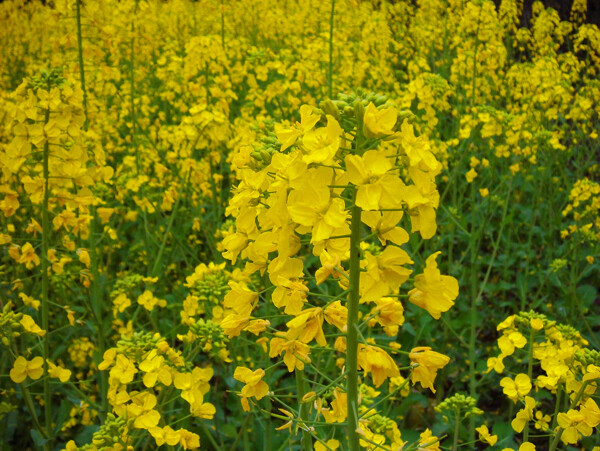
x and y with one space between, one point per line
45 307
352 331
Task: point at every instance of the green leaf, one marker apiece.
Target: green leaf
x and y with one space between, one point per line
38 439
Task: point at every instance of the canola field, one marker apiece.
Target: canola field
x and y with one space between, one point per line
299 225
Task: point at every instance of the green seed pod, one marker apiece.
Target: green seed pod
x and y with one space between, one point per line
331 108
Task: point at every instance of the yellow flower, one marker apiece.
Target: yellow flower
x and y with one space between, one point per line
378 123
149 301
331 444
339 408
590 412
337 314
28 256
429 442
142 409
255 386
123 371
517 388
29 301
429 362
485 436
376 361
311 205
322 143
84 257
573 425
384 224
511 340
30 326
470 176
308 325
296 352
377 186
524 415
24 368
155 368
433 291
288 136
58 372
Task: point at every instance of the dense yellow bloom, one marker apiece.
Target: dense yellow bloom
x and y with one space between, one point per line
24 368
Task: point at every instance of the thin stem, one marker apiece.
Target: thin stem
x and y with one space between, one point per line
529 373
81 68
303 414
352 331
456 430
330 71
475 302
45 287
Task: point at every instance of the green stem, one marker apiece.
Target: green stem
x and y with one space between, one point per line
560 431
303 414
97 302
529 373
330 71
475 301
45 288
81 69
352 331
222 25
456 430
157 262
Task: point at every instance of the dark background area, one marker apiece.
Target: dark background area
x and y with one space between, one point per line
563 7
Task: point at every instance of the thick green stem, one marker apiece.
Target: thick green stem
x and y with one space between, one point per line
352 331
456 430
560 431
45 288
301 385
330 69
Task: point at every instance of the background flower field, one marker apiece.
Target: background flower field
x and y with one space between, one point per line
273 225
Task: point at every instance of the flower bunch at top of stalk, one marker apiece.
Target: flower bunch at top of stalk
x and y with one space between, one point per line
296 224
